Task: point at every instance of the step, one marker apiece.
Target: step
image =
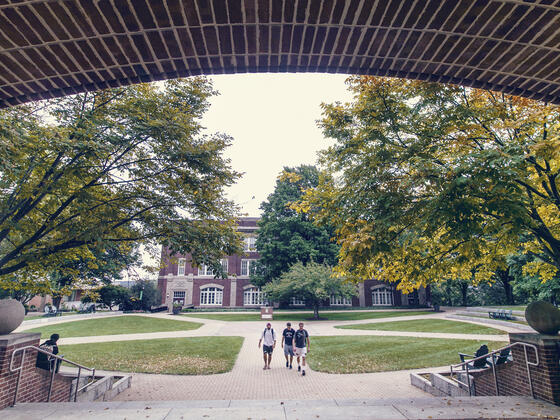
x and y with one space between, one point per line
389 409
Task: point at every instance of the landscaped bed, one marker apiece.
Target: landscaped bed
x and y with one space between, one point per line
123 324
294 317
362 354
181 356
426 325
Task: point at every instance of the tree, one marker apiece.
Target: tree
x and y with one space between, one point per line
100 266
124 165
437 181
286 236
111 295
145 294
312 282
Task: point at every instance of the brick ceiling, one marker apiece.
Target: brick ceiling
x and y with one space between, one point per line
58 47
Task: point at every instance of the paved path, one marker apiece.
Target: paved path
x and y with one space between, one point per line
325 409
247 380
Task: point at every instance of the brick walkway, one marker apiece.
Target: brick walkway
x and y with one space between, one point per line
247 380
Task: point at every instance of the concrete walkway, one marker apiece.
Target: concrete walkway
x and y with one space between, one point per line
324 409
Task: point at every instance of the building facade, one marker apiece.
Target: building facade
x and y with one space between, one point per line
182 283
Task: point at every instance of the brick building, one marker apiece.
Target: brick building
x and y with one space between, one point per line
180 282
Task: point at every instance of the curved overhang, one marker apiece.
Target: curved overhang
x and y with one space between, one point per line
52 48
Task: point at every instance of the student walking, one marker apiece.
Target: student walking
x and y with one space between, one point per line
268 339
301 338
287 344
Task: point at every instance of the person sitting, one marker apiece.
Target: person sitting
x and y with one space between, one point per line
46 361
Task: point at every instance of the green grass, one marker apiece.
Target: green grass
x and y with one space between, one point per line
426 325
362 354
336 316
513 308
129 324
180 356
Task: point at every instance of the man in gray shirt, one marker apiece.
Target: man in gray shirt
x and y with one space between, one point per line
268 339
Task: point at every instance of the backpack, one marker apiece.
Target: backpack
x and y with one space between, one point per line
47 347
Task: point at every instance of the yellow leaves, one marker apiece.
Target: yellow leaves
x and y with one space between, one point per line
540 269
291 177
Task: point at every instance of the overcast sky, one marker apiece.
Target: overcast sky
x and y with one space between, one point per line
272 119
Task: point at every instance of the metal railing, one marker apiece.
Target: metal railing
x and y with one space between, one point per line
57 362
465 366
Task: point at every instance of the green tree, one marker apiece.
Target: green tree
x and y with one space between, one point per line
313 282
126 165
432 181
145 294
112 295
286 236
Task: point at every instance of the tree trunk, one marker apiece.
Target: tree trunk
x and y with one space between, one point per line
464 289
315 311
506 279
56 302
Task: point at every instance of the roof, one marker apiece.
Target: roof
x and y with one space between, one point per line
51 48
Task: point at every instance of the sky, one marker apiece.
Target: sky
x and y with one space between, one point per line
272 119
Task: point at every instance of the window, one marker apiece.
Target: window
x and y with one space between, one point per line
297 302
211 296
382 296
179 297
205 270
253 296
246 267
340 301
250 243
181 267
413 298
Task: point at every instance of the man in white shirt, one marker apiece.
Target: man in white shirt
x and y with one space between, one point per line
268 339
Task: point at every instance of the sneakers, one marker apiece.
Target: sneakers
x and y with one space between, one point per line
287 364
303 373
290 366
299 368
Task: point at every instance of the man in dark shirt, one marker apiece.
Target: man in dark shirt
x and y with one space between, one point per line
287 344
301 338
45 361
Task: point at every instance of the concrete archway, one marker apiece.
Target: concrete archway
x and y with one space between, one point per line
57 47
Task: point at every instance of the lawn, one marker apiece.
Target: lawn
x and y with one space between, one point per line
426 325
325 316
182 356
362 354
128 324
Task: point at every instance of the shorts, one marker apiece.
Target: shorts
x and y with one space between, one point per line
301 351
268 349
288 350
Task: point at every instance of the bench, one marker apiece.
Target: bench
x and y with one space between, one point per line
501 314
51 311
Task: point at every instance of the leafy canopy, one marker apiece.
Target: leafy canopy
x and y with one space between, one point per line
286 236
429 181
313 283
127 165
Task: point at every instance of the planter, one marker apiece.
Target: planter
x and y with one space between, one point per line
12 313
543 317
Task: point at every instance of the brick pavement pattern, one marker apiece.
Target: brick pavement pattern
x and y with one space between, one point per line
247 380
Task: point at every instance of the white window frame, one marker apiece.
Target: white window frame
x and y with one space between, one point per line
253 296
181 266
249 263
250 244
382 296
179 295
211 296
296 302
337 300
207 271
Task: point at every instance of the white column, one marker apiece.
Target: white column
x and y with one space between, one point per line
233 292
362 294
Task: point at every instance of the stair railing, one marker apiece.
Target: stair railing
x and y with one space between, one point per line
57 361
465 366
